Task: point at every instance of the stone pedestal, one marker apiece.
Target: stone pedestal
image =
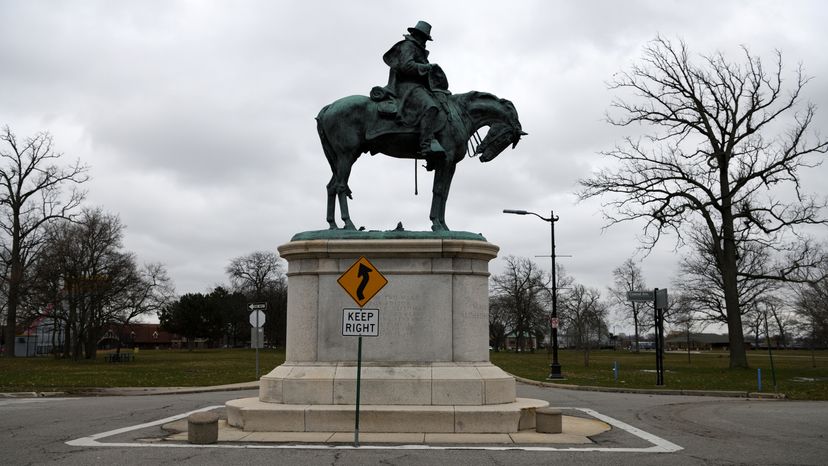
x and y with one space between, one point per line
431 357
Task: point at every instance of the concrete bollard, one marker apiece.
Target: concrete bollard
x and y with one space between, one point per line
548 421
202 428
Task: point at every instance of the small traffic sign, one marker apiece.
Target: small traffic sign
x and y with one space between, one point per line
661 298
362 281
360 322
554 322
257 306
257 318
640 296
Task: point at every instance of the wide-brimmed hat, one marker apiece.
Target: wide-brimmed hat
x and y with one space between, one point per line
423 28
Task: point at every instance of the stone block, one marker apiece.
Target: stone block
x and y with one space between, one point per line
384 385
456 385
329 418
270 385
548 421
499 386
303 304
406 419
470 318
309 385
486 419
527 418
202 428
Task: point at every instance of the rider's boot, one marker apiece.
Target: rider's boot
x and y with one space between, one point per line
430 148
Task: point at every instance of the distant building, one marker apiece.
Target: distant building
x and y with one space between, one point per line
138 335
528 342
697 341
38 339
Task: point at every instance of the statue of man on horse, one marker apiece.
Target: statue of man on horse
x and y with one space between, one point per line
418 85
413 117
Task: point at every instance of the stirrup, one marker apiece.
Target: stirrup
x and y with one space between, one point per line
433 149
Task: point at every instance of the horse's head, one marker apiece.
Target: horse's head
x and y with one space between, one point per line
503 131
500 135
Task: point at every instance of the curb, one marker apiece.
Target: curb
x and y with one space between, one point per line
149 391
32 394
656 391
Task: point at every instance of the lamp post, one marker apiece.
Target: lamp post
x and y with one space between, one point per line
555 366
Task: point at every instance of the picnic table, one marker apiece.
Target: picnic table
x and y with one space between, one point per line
120 357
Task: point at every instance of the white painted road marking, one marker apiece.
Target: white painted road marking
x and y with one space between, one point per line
22 401
659 444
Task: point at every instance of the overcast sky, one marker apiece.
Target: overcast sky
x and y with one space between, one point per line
197 117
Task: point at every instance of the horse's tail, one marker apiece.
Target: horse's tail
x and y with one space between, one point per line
323 138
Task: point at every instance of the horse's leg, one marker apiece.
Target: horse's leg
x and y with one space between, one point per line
344 192
449 175
437 199
331 187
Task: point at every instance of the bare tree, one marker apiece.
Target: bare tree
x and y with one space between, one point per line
628 277
31 184
86 281
584 317
811 308
700 280
500 321
713 157
255 272
260 276
520 292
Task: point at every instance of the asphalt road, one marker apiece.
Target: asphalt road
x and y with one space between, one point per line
710 431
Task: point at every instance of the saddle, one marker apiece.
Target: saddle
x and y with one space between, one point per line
385 114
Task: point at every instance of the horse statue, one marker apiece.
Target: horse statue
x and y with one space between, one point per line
354 125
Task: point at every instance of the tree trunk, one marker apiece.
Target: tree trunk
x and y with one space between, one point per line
728 267
15 280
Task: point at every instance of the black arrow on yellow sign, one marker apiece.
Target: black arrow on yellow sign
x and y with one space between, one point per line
362 281
363 274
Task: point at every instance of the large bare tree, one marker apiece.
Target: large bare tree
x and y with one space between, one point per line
713 155
32 184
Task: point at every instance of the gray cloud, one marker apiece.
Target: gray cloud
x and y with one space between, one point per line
197 117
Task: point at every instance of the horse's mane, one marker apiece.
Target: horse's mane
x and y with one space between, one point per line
510 107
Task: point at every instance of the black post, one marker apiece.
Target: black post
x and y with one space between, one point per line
555 366
358 377
661 346
657 332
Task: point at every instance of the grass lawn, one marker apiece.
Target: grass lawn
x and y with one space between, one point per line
151 368
705 371
182 368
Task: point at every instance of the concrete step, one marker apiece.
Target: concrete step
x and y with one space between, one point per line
253 415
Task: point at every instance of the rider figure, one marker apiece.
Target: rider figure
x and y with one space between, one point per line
409 79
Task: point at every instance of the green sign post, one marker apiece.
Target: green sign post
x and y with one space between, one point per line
362 281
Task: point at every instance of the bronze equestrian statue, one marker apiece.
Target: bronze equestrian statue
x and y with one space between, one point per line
413 117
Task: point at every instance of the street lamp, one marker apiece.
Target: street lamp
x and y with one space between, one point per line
555 366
